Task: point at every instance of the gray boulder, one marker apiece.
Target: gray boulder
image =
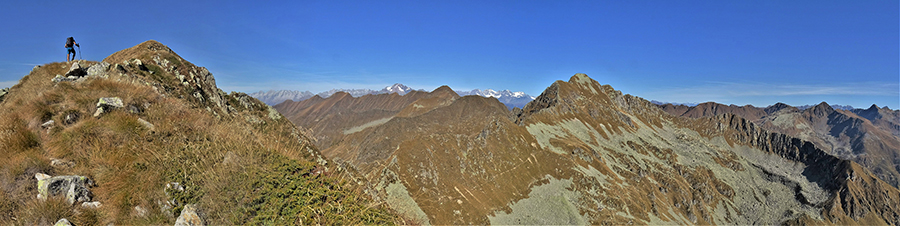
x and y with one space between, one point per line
107 104
75 188
76 70
189 216
98 69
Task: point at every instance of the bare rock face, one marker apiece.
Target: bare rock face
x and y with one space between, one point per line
74 188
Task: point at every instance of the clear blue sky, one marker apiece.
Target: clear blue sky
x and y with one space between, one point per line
732 52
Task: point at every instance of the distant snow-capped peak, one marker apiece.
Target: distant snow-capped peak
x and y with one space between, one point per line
495 94
398 88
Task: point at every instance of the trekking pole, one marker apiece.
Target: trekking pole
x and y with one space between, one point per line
79 52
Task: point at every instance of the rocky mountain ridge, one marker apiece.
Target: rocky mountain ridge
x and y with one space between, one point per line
584 153
870 136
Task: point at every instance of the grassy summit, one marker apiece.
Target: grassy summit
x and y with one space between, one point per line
240 161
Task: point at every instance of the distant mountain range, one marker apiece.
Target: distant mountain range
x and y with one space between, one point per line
802 107
509 98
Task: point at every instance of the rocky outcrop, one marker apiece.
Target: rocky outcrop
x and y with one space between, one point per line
76 70
74 188
98 70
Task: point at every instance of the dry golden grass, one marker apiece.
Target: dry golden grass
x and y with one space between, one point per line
222 161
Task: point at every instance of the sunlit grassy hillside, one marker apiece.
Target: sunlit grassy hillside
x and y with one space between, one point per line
240 161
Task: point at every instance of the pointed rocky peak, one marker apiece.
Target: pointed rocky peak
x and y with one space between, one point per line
341 94
581 78
872 113
445 90
873 107
142 52
398 88
821 109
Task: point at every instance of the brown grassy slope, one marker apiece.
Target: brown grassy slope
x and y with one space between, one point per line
230 151
711 109
330 118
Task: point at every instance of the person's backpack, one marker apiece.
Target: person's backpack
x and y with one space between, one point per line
70 41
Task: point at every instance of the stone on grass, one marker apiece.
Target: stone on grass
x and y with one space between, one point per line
74 188
62 222
107 104
147 124
61 163
189 216
91 205
47 124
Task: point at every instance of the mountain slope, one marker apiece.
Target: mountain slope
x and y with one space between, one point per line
582 153
176 140
273 97
870 139
342 114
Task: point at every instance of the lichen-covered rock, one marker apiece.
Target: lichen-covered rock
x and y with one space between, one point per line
75 188
189 216
107 104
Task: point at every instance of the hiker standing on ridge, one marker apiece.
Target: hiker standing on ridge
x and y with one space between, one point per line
70 47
